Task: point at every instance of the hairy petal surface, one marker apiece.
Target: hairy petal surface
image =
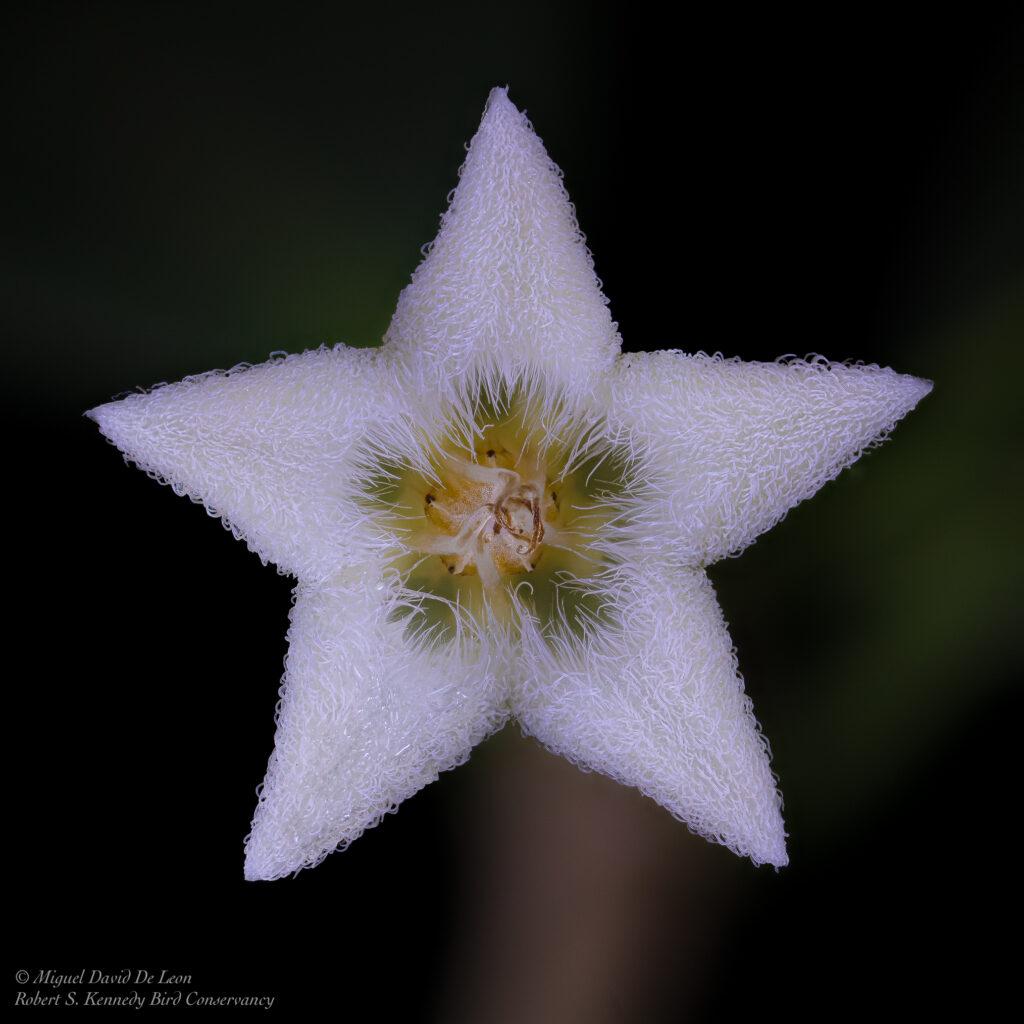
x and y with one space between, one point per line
656 702
730 447
612 480
508 286
277 450
367 718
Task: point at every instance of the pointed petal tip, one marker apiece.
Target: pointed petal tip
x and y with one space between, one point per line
252 869
921 387
770 848
765 834
910 391
119 422
107 417
497 97
507 289
500 109
275 849
259 864
101 415
776 857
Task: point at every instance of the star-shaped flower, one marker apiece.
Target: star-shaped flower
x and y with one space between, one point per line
497 514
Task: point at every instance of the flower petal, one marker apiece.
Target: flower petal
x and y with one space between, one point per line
729 447
367 718
274 449
655 701
508 285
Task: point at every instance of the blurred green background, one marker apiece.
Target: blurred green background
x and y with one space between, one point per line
196 186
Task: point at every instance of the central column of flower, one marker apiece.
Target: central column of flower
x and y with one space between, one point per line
489 517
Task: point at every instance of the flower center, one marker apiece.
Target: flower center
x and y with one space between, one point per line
516 506
489 517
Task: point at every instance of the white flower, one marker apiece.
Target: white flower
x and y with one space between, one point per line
496 514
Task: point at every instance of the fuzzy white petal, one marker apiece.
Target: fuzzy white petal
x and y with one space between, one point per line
712 453
271 448
508 285
729 447
657 703
367 718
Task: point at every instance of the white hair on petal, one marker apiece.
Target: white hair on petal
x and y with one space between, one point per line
654 699
367 717
507 290
728 447
277 450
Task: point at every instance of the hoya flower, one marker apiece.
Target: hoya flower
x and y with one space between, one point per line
496 514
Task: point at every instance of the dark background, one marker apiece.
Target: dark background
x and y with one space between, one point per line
191 187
